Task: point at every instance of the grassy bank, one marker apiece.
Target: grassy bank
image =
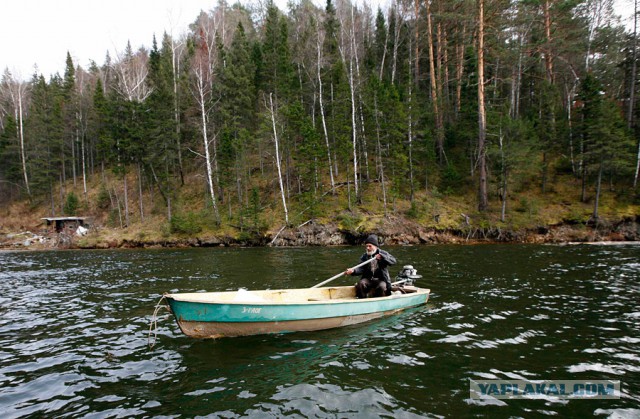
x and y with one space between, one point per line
259 217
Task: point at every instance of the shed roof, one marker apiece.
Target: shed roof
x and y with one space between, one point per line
64 218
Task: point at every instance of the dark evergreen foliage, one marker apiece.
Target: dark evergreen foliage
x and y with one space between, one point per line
556 104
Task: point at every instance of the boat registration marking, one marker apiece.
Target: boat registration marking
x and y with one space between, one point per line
252 310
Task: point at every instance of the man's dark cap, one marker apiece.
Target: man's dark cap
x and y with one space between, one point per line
373 239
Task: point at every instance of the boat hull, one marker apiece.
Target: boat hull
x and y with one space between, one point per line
214 315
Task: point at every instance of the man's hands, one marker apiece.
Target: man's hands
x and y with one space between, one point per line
349 271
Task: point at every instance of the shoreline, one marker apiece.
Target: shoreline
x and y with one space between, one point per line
398 232
470 243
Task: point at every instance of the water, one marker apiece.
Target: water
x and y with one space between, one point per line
74 329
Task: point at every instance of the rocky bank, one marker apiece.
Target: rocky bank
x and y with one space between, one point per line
392 231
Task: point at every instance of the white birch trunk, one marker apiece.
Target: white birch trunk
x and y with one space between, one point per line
176 105
459 70
84 168
15 91
396 41
635 178
275 138
74 141
384 52
344 47
634 56
434 89
82 128
503 211
630 117
140 202
353 112
353 130
203 66
482 117
360 101
126 200
202 85
322 115
23 154
596 204
410 124
517 80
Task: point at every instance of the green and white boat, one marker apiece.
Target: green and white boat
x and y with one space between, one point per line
243 313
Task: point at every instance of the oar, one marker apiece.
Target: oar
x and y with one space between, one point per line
401 281
342 273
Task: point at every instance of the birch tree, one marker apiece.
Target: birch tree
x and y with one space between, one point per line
83 84
483 195
634 75
395 22
131 72
272 113
202 91
16 94
435 99
632 88
597 13
321 34
348 53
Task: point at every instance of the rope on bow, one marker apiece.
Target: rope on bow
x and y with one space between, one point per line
153 326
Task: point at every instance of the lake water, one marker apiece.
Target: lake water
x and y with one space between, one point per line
74 334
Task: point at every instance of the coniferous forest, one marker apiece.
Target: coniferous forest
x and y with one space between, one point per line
485 113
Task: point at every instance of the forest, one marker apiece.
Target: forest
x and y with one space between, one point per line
505 112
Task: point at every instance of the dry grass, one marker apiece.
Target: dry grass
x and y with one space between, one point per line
527 209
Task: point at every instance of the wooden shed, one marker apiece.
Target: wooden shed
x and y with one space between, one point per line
63 223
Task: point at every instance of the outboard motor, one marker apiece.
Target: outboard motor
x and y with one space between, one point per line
407 275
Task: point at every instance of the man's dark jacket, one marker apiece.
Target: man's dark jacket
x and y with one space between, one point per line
380 271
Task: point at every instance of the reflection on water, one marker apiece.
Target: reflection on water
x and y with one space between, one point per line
73 334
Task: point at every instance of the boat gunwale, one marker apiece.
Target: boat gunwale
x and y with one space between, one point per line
181 297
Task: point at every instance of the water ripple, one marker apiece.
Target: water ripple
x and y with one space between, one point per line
73 335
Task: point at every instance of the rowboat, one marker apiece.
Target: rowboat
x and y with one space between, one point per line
243 312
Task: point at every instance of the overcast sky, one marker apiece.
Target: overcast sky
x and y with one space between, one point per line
42 31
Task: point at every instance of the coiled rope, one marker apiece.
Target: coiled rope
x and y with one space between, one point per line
153 326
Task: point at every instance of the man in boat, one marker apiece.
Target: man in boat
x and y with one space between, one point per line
375 280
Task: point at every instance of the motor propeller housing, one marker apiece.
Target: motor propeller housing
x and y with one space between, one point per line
408 275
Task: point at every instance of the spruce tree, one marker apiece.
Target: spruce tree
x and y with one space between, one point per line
158 154
607 147
69 108
237 105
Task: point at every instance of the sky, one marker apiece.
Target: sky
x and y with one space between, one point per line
42 31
